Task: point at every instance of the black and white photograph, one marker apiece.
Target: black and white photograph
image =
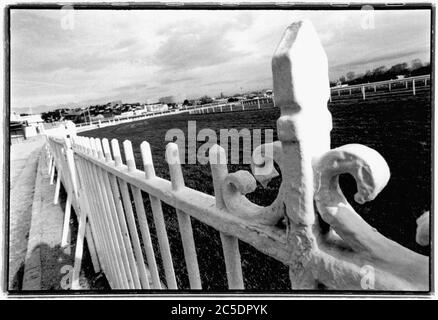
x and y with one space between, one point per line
215 150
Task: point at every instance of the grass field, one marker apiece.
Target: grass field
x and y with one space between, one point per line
400 129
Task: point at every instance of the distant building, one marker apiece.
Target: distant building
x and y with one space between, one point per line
32 119
340 85
158 107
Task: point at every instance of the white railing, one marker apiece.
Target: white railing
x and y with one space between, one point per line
250 104
345 253
411 85
82 127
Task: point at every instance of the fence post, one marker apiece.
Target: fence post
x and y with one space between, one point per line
413 87
300 46
363 92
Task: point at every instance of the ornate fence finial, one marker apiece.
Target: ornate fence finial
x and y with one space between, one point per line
301 90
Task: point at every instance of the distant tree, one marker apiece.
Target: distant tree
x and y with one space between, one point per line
45 116
368 74
342 79
205 99
379 71
232 99
398 69
379 74
50 116
416 64
425 69
350 75
186 103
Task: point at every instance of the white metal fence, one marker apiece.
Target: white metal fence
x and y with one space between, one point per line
106 194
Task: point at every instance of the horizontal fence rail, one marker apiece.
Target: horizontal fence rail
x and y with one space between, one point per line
108 193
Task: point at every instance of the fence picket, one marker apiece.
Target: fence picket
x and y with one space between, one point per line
79 251
66 224
52 172
141 215
157 212
91 232
108 225
89 201
95 206
130 218
122 219
230 244
57 186
185 225
113 218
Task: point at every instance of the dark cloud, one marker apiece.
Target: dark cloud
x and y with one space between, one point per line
381 57
172 81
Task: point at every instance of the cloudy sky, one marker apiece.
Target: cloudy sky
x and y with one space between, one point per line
90 56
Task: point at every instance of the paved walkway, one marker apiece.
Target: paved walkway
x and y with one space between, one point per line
45 263
23 169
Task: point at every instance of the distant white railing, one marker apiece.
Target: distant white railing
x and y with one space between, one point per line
411 85
250 104
82 127
345 254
